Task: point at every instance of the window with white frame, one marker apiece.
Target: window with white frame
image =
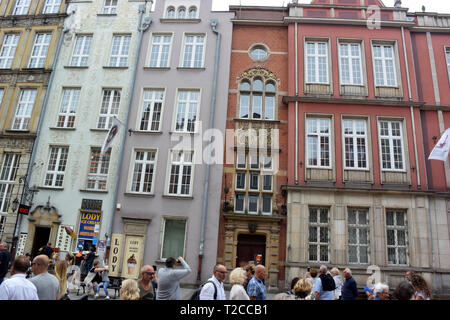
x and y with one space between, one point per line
187 109
110 7
170 13
51 6
181 13
21 7
24 109
68 108
318 148
181 170
267 182
109 108
254 161
319 235
256 99
355 144
159 56
447 56
143 171
56 167
174 236
350 63
2 92
81 49
239 202
240 180
266 204
40 50
98 169
391 145
192 12
254 181
253 203
241 160
8 175
397 237
384 65
358 236
151 110
316 61
193 51
8 50
119 51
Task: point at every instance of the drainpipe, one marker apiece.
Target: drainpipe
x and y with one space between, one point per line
296 105
41 121
142 27
213 24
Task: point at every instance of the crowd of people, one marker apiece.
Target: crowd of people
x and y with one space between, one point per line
47 277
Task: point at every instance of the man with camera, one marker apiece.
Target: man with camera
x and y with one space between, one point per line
169 279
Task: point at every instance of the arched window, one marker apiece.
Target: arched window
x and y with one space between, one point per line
192 13
170 13
257 98
181 13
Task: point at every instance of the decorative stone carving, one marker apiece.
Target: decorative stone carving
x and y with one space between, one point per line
258 71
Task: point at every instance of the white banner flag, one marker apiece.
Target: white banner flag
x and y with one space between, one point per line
441 149
111 134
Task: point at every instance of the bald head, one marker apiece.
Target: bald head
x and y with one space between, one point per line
323 269
260 271
3 246
40 264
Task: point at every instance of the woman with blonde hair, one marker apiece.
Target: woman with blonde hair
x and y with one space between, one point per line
338 282
129 290
61 275
302 289
238 279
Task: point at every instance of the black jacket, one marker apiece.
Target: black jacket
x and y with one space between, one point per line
349 290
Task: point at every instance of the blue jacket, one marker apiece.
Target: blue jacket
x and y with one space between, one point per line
349 290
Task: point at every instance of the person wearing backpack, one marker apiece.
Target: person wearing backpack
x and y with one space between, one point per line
324 286
213 288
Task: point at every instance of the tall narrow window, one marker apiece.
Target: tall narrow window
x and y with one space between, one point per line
21 7
267 204
8 175
391 145
318 234
8 50
187 108
40 49
24 109
51 6
192 13
240 180
350 63
159 56
119 51
239 202
143 171
68 108
56 167
2 92
181 13
355 144
384 65
318 142
173 238
447 56
151 110
358 236
109 108
194 46
397 237
170 13
80 52
316 56
253 203
98 169
110 7
181 168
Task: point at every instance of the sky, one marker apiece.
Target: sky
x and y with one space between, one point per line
441 6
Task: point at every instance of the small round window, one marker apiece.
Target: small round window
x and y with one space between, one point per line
259 53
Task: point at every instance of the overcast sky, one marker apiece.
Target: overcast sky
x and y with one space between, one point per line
441 6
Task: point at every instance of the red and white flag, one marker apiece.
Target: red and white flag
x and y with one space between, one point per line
442 148
111 134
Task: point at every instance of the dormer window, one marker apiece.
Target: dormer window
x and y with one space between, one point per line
171 13
192 13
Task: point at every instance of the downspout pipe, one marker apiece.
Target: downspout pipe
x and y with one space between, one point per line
296 105
213 23
142 27
41 121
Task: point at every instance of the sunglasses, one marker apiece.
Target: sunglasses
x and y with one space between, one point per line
223 272
150 273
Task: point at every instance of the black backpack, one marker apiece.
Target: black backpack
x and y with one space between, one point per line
328 283
196 294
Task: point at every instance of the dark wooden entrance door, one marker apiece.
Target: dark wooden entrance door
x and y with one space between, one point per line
41 238
248 247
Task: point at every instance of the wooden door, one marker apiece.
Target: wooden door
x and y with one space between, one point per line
248 247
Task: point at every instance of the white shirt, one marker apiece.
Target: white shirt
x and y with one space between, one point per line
18 288
207 292
238 293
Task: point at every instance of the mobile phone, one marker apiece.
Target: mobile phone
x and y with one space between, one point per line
309 269
154 267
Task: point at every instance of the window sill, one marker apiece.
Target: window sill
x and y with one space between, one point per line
113 67
157 68
192 69
146 132
99 130
16 131
94 191
174 20
106 14
178 197
62 128
184 133
51 188
76 67
144 195
257 120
